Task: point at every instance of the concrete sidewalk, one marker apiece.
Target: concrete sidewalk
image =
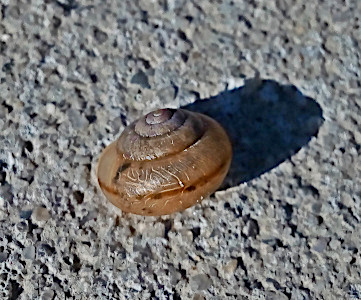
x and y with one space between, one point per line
284 79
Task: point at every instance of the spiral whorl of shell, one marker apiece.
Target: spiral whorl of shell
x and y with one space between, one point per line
164 162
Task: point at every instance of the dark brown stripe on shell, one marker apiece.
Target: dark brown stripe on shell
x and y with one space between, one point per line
122 168
202 181
190 187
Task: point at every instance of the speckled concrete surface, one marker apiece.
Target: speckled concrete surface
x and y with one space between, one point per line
73 73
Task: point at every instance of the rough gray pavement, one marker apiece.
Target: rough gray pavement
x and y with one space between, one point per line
287 225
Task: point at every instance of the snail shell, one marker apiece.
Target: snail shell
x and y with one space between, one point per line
164 162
